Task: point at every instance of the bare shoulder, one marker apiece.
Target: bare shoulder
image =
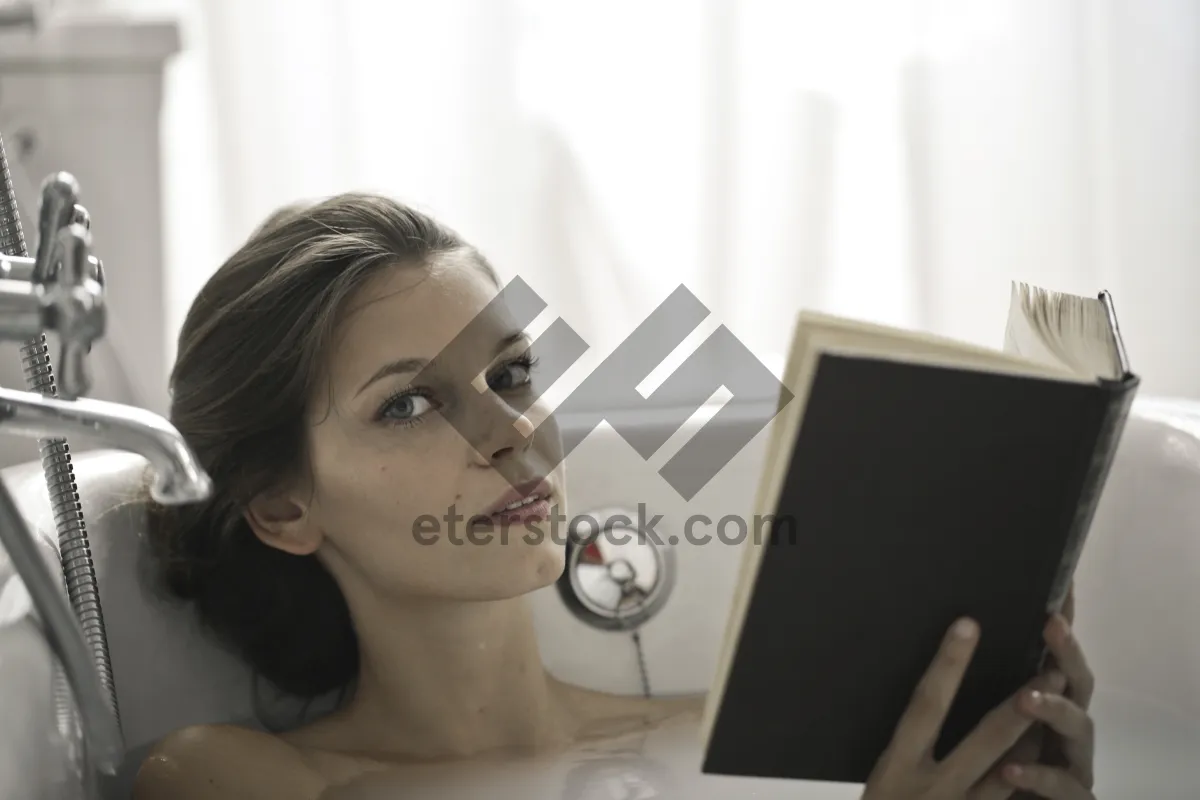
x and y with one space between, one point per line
206 762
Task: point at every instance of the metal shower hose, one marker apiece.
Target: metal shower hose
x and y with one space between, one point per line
75 551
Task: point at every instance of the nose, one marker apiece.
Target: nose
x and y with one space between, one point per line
505 434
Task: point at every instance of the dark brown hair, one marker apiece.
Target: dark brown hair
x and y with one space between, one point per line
251 351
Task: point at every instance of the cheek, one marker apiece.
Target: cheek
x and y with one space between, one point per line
372 497
395 510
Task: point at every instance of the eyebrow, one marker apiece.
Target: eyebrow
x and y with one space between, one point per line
405 365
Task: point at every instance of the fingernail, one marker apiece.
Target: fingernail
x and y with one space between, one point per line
1035 698
964 629
1013 772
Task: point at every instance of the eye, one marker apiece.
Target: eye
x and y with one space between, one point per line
512 375
406 408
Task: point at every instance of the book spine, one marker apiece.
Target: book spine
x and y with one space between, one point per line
1096 472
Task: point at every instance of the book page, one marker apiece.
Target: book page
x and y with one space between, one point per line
1064 329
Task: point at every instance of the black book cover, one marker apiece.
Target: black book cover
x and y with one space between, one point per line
964 493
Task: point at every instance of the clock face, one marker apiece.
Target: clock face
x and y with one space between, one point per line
617 579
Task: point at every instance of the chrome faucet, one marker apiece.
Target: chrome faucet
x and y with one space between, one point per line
178 476
58 289
61 289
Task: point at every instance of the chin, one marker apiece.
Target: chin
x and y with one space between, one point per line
550 563
529 558
541 564
551 550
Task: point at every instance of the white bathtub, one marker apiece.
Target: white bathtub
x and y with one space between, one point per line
1138 612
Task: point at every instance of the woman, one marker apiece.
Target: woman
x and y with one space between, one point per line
307 385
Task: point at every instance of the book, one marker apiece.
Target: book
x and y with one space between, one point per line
909 480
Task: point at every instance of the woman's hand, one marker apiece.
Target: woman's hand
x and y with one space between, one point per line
1066 740
907 769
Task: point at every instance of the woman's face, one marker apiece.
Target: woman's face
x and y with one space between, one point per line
408 451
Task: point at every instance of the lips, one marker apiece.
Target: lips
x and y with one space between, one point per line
529 500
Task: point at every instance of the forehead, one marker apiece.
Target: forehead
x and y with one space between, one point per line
415 312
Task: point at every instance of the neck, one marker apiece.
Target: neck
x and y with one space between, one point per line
451 679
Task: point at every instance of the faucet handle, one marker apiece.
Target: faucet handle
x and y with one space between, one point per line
77 300
60 194
95 270
81 215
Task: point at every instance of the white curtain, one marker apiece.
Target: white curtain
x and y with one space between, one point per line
896 160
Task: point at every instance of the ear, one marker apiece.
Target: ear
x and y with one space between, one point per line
280 520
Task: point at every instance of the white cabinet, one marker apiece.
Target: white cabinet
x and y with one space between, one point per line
85 96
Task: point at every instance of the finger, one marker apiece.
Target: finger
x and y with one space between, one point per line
1059 712
1068 607
1069 657
993 787
1051 783
1072 723
1029 747
917 730
998 732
